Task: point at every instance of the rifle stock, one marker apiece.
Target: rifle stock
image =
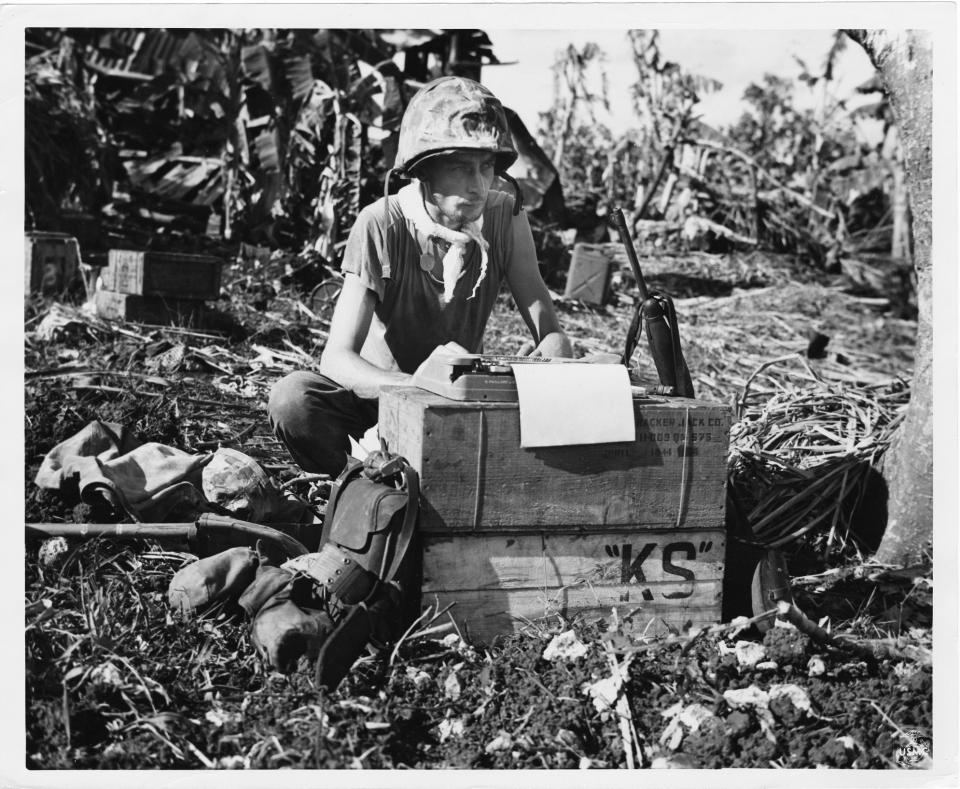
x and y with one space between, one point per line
205 526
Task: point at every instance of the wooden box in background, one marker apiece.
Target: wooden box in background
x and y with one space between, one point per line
511 535
51 262
588 278
162 274
150 309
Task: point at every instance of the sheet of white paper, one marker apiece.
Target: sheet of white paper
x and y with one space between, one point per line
564 404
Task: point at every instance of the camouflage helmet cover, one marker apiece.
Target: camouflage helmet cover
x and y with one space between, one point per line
453 113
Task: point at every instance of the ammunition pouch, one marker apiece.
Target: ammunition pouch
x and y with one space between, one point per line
370 520
365 574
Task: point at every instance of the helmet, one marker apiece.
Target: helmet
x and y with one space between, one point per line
449 114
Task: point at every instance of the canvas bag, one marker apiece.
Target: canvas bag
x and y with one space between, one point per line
365 570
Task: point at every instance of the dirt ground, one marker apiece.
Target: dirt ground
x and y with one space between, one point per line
114 680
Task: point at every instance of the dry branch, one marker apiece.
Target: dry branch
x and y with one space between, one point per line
869 648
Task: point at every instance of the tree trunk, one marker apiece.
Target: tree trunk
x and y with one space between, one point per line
900 241
900 244
905 62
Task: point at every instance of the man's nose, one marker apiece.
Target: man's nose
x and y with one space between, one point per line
475 180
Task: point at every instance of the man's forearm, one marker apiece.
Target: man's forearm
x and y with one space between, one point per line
355 373
545 326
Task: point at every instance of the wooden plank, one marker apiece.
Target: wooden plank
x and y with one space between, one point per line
401 425
484 615
555 560
162 274
475 476
673 576
140 172
388 423
212 189
149 309
170 181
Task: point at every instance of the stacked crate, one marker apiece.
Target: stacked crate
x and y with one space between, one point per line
52 263
158 287
511 534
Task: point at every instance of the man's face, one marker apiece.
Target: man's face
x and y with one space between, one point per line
457 186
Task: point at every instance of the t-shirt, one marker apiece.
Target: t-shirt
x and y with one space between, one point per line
410 318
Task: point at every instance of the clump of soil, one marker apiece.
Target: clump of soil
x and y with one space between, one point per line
114 680
786 646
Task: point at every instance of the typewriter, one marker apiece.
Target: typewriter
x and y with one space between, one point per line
474 376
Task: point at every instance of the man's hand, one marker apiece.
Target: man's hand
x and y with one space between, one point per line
554 344
441 350
448 348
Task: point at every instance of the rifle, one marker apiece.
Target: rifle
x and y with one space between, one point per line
197 533
659 320
201 534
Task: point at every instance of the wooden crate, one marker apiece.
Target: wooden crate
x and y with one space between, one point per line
51 262
499 582
162 274
475 477
589 276
150 309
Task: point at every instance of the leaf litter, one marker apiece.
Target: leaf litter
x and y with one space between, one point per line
558 693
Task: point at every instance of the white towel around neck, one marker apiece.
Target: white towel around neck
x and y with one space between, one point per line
412 205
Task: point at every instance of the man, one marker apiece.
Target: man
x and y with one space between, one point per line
422 269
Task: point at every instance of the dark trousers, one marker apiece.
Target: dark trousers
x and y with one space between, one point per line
314 416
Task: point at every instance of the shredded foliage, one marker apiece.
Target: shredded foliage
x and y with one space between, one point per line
261 146
115 681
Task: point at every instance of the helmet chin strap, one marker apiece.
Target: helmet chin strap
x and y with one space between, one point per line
386 206
518 195
386 191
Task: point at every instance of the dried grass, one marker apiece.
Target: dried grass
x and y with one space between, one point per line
801 459
102 647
